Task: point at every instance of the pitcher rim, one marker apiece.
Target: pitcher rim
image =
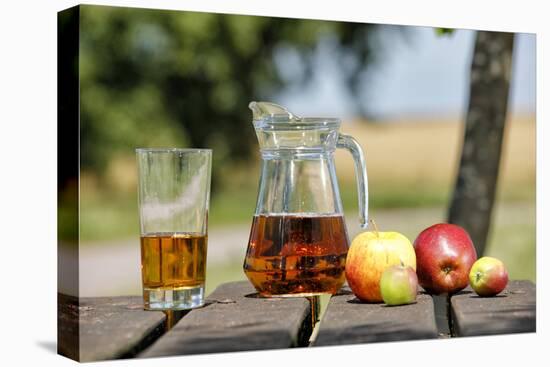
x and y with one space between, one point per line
303 123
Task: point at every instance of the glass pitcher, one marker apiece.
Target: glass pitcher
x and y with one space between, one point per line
298 241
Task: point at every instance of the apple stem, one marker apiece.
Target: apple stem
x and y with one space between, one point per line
375 227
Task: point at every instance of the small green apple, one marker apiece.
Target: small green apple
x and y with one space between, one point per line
399 285
488 276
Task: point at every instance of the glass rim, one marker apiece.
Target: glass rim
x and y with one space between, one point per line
173 150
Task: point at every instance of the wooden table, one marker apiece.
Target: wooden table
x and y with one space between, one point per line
236 319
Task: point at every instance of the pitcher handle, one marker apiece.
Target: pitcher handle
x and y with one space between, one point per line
349 143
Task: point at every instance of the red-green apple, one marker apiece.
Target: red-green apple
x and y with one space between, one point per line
444 255
488 276
369 255
399 285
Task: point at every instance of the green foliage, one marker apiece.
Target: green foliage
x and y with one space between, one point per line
444 31
171 78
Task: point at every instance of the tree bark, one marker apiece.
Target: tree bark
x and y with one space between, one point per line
474 194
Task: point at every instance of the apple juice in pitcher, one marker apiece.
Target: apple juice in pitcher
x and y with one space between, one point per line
297 254
298 241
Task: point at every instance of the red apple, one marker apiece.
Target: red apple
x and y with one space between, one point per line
444 256
488 276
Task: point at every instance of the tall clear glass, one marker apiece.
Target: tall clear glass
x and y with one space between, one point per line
173 198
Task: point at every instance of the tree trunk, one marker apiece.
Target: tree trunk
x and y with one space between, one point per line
475 187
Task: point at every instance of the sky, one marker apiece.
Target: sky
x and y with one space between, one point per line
422 74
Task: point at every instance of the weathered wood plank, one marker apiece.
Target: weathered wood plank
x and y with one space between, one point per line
68 326
350 321
108 327
512 311
236 319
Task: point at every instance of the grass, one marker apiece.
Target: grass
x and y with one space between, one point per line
405 177
410 165
113 216
116 216
513 240
229 271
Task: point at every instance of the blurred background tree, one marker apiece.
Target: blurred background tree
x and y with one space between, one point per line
475 189
157 78
164 78
473 198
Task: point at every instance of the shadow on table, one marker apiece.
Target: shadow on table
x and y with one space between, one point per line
49 345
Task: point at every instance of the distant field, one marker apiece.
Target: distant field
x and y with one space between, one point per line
410 164
427 152
512 239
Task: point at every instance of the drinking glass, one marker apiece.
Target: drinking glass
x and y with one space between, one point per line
173 198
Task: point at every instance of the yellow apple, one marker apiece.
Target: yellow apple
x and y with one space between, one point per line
369 255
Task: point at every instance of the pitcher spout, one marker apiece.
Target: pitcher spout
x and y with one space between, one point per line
262 111
278 129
